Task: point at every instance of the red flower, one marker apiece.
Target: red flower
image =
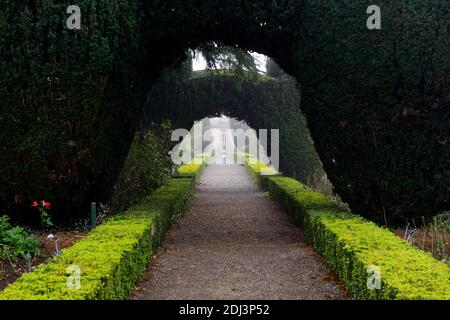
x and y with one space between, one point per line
46 204
34 204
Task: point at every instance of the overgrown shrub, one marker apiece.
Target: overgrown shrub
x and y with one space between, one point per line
444 219
15 242
435 232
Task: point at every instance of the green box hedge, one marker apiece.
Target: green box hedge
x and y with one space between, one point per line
113 256
193 169
350 245
254 167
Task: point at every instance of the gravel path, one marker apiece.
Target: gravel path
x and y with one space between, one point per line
234 242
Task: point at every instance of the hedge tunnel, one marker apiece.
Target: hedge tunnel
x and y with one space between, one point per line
261 101
376 101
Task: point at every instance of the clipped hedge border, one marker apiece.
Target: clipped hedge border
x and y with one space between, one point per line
254 167
113 256
350 245
193 169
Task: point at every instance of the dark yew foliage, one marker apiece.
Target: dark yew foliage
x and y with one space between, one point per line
67 102
377 102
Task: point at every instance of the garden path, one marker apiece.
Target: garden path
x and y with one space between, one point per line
234 242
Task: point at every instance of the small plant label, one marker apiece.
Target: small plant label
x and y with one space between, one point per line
374 20
374 278
74 21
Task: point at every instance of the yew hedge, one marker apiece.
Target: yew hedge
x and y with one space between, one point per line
376 101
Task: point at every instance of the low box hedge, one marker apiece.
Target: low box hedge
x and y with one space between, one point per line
254 169
113 256
350 245
295 197
193 169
